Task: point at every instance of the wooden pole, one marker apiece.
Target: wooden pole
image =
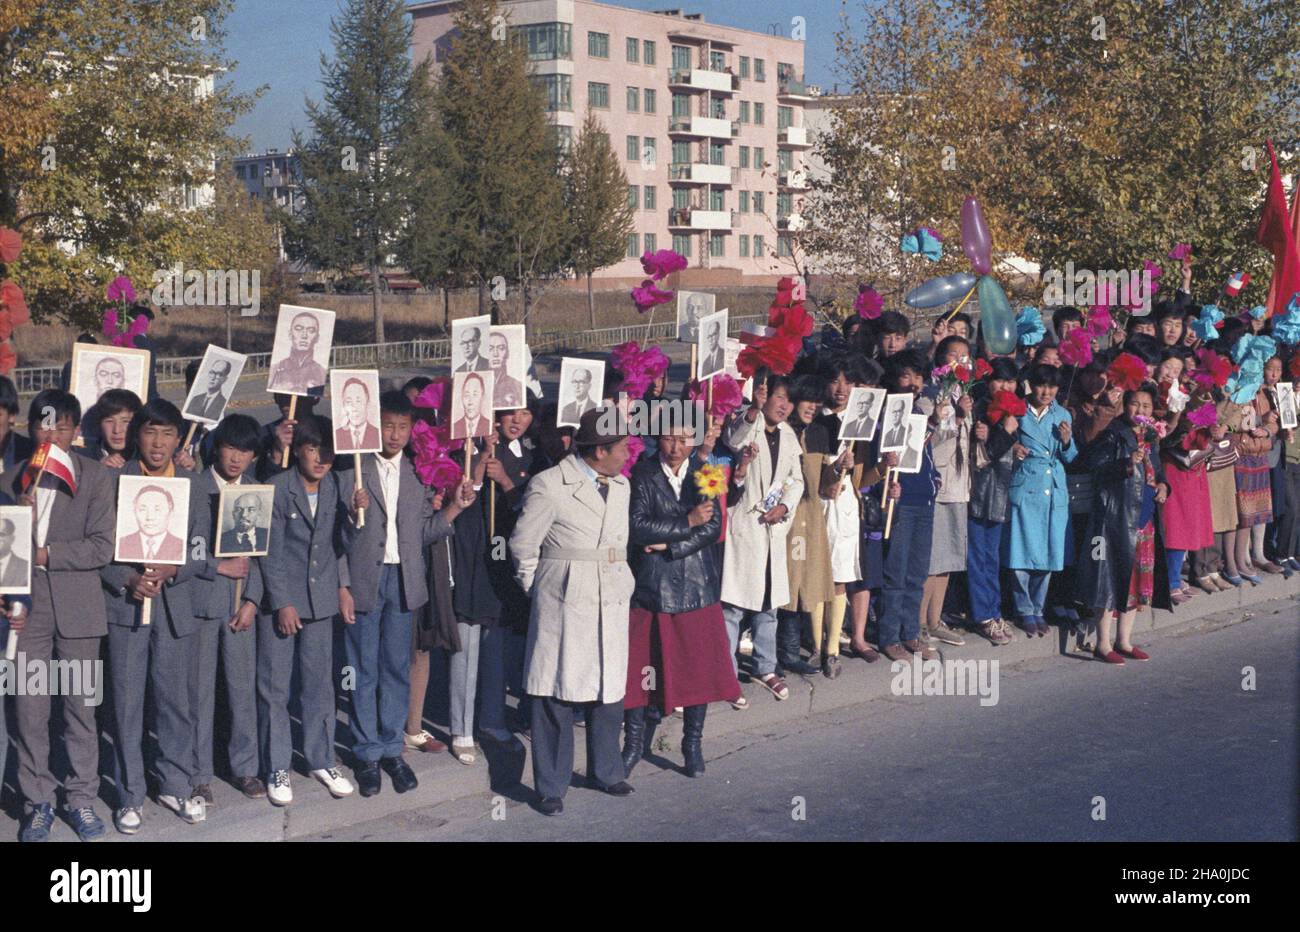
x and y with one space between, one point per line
239 593
146 609
189 437
889 518
356 484
708 400
492 495
468 441
694 351
884 493
11 648
293 408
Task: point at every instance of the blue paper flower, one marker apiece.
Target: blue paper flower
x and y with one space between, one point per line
1029 326
1286 327
1259 312
1255 348
1204 326
923 243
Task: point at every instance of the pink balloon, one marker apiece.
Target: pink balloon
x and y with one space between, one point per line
975 240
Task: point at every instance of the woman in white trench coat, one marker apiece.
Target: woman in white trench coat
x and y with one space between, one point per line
754 579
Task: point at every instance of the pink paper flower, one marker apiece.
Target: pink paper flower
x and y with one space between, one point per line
868 303
1204 416
1076 349
647 296
1155 270
1099 322
635 447
659 265
638 367
433 395
1180 251
727 395
120 289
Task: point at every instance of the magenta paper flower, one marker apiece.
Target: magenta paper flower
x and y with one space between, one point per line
868 303
433 395
434 466
1180 251
638 367
1204 416
659 265
1155 270
635 447
1076 349
120 289
647 296
727 395
1099 322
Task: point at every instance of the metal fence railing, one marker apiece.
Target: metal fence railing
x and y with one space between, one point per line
170 370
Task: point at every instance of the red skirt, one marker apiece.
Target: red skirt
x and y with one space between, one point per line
679 660
1187 519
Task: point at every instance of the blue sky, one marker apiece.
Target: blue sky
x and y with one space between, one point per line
278 43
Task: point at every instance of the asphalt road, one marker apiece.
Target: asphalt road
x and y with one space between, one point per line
1176 747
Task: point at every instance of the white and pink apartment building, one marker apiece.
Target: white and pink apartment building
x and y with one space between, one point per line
708 120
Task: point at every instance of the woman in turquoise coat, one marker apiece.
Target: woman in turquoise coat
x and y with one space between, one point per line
1034 541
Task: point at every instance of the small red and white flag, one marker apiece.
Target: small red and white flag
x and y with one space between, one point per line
752 333
1238 281
51 460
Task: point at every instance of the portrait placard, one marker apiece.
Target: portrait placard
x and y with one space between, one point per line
300 356
213 384
692 307
15 550
582 381
244 521
711 351
910 461
893 437
469 343
97 369
471 405
354 408
508 356
1286 406
862 413
152 520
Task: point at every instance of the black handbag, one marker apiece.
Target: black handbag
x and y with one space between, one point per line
873 516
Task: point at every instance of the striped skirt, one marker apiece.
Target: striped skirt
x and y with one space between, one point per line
1254 493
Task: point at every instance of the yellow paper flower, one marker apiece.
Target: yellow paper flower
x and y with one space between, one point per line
710 480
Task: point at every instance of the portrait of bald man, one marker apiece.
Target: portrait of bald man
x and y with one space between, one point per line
109 374
15 571
212 402
246 530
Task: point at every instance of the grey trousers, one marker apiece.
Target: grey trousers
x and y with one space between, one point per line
552 744
151 655
311 650
39 642
237 652
464 680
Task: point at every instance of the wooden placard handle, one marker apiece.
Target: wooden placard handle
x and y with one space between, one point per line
146 610
293 409
889 518
884 493
356 484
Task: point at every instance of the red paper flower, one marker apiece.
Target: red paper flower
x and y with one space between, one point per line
11 244
8 358
1076 349
1212 369
789 291
792 321
661 264
433 395
1127 372
1294 367
982 368
1002 404
868 303
776 354
647 296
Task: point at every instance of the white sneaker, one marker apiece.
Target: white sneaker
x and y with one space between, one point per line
746 645
278 788
192 810
127 820
338 785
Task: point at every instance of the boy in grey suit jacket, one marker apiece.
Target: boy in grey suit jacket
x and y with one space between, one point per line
164 656
385 566
227 630
66 621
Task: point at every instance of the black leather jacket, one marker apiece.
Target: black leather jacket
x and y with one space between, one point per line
990 486
688 574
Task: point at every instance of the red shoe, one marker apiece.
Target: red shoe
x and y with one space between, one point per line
1135 653
1109 657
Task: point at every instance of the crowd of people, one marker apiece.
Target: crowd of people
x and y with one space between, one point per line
610 581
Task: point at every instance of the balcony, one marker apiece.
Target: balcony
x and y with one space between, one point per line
700 173
695 218
788 87
794 180
702 79
791 222
700 127
793 137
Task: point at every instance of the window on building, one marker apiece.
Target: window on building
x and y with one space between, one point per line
744 156
559 90
545 41
717 199
681 198
744 66
783 246
759 70
718 108
681 105
239 171
681 57
744 245
634 148
649 242
744 111
598 44
597 95
744 202
758 113
650 197
758 246
648 52
633 99
758 157
631 246
681 152
633 50
784 161
758 202
784 204
650 102
717 153
633 196
784 117
717 61
682 245
650 150
563 136
717 245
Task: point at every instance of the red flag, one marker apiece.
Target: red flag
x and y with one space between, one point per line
1295 235
1275 235
52 460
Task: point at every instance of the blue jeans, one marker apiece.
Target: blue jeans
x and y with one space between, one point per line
764 624
1031 592
983 564
379 652
1174 565
907 564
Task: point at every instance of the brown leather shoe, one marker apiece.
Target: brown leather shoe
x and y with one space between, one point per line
916 647
1268 567
251 787
423 742
897 652
864 652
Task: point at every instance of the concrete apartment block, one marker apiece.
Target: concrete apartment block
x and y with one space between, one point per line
707 118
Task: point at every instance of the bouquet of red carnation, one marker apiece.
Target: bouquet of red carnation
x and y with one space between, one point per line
1002 404
775 353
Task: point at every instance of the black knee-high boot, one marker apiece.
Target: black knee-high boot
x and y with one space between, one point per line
692 733
633 737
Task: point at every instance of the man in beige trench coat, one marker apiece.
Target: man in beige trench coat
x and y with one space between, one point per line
570 553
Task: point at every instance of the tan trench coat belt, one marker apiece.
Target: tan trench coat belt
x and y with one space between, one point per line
602 555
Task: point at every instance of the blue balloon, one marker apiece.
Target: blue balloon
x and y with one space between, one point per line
938 291
997 323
